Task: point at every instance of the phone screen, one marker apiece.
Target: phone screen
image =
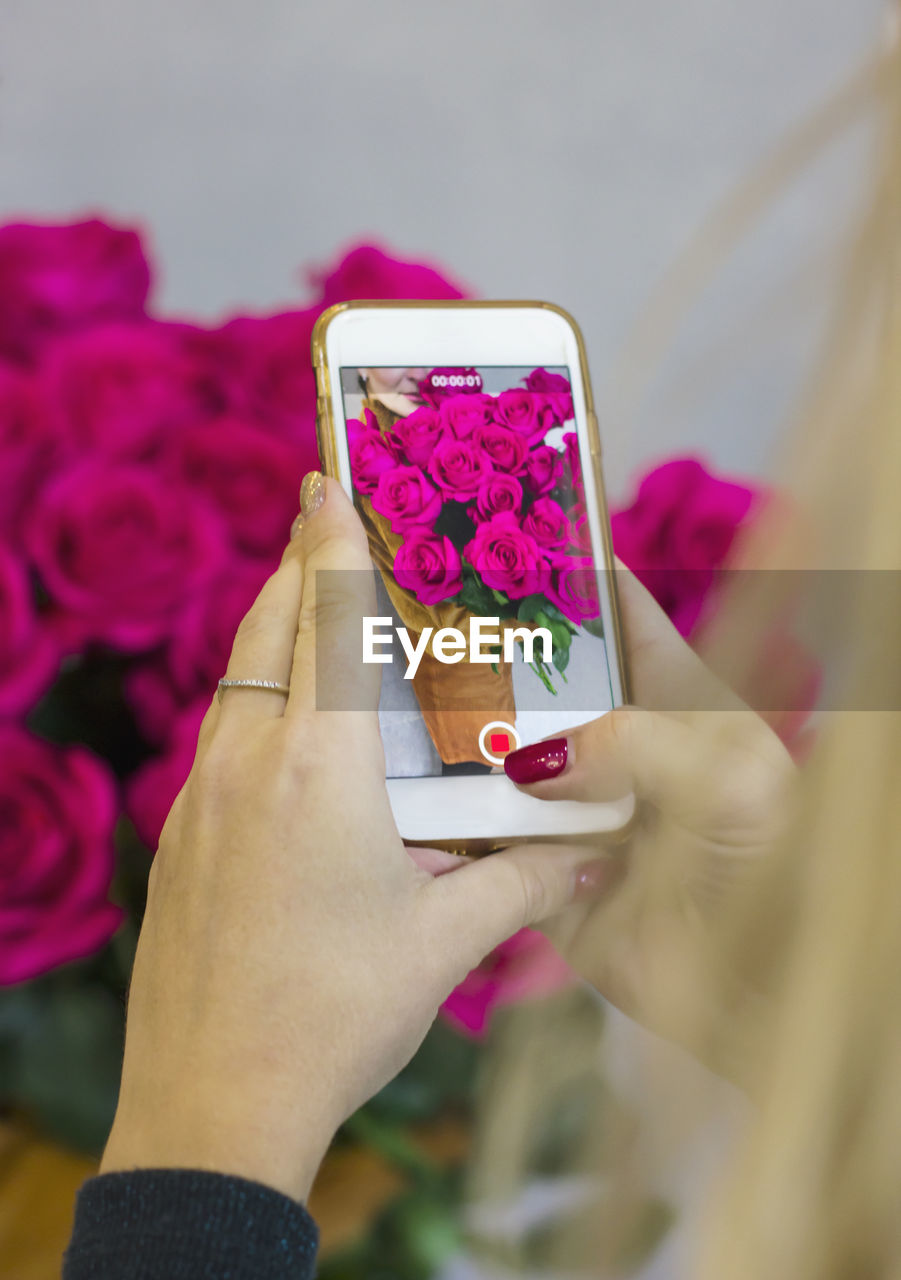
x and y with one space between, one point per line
489 625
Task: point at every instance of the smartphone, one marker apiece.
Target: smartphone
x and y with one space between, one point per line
476 470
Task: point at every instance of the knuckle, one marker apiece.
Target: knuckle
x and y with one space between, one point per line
216 770
336 543
337 551
238 770
331 605
302 756
747 788
622 726
257 624
534 892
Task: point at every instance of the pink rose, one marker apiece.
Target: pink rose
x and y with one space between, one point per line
506 449
367 272
29 655
249 476
419 433
529 415
677 531
370 451
446 381
55 279
581 530
122 389
497 492
429 566
458 468
543 469
573 588
26 447
706 531
150 793
557 391
267 376
211 354
560 408
507 558
463 413
525 967
406 498
56 855
548 524
198 653
676 537
571 444
154 701
542 380
123 552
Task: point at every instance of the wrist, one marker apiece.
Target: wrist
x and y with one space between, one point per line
219 1134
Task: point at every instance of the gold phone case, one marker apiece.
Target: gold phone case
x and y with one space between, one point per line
325 434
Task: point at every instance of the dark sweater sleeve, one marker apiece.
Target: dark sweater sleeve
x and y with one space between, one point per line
178 1224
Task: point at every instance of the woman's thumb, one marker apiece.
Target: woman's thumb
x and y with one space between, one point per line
489 900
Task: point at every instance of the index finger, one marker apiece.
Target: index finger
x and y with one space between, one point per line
328 672
666 673
263 647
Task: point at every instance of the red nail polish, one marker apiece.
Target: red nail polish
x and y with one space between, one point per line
536 762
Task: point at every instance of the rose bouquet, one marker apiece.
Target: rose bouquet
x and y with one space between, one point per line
485 492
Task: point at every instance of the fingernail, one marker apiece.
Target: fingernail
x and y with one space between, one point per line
538 761
296 527
312 493
592 878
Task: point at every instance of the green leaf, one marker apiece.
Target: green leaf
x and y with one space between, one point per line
61 1047
431 1230
133 863
541 672
556 615
561 659
407 1099
529 607
391 1142
477 598
86 705
561 636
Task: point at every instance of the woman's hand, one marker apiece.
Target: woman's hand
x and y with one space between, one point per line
715 782
293 954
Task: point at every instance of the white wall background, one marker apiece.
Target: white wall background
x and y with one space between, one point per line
562 150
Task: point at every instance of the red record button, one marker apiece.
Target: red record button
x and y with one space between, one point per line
497 740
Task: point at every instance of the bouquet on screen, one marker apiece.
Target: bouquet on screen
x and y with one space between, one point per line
485 493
